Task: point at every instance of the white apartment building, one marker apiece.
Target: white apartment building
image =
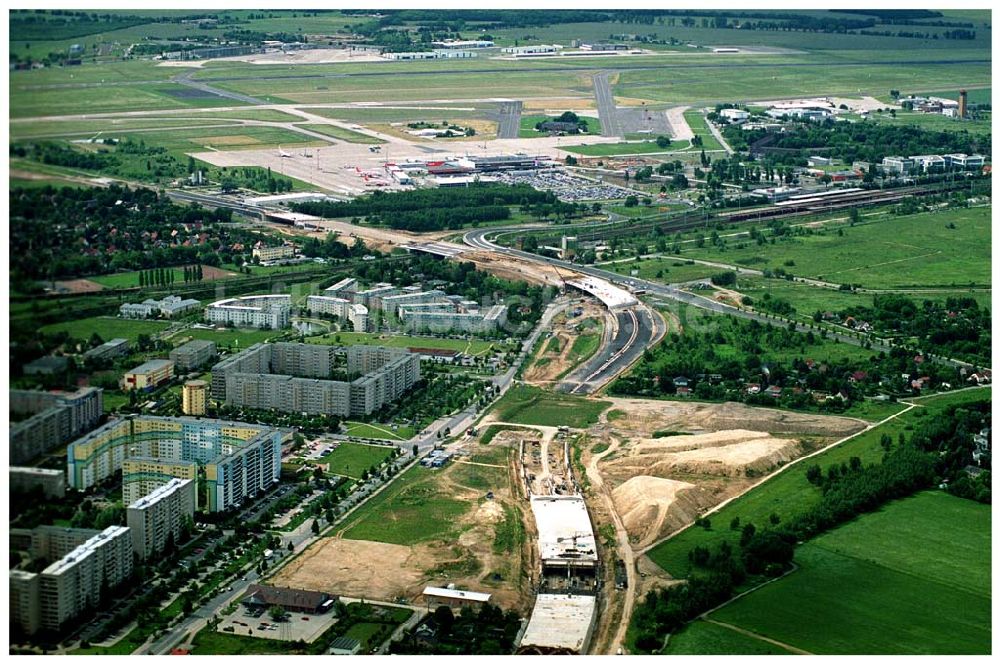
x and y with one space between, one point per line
74 583
264 311
357 314
156 517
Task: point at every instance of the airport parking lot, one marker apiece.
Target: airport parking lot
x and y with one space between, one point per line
566 186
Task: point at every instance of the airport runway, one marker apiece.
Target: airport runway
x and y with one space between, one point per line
606 109
509 120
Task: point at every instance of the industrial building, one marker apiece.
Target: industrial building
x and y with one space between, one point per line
463 43
295 378
263 311
236 460
603 46
55 417
148 375
292 600
357 314
193 355
957 161
114 348
453 597
168 307
194 398
734 116
73 584
159 516
24 479
537 49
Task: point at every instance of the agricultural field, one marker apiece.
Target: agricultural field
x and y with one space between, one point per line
107 327
789 493
532 406
702 638
408 511
949 248
867 583
352 459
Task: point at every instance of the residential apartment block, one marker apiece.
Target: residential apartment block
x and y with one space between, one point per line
69 586
160 515
266 311
55 417
237 460
299 378
193 355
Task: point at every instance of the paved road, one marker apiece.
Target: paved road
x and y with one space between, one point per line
635 330
510 120
606 109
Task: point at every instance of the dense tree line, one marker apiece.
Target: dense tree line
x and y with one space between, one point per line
487 630
741 353
437 209
956 328
864 141
73 232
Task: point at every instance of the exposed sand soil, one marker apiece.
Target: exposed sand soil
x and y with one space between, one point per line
387 571
650 506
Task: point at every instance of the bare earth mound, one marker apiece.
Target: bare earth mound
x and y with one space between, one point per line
652 506
647 416
726 453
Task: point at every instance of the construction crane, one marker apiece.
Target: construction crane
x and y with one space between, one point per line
578 534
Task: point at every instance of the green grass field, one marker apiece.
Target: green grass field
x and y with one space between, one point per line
409 511
533 406
227 338
376 431
807 298
352 459
897 251
179 142
610 149
340 133
668 270
107 327
789 494
474 347
911 578
127 280
209 642
699 125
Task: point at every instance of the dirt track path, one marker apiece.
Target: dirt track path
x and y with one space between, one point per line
762 638
597 482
